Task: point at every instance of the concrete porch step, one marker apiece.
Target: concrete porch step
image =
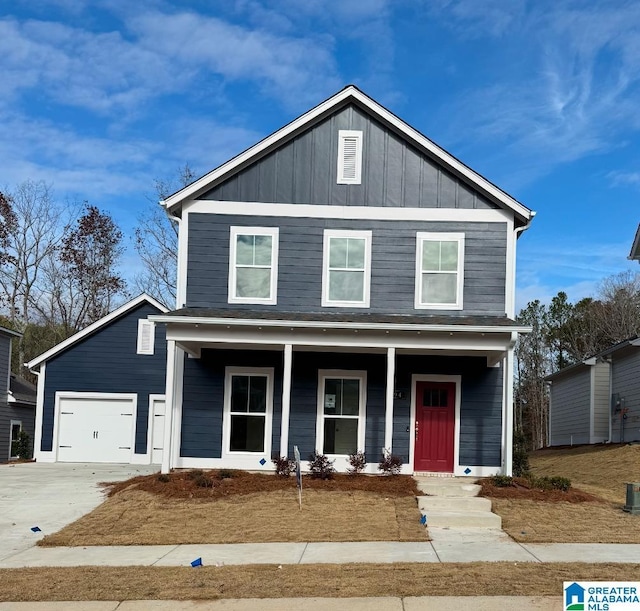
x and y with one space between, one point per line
462 519
440 486
453 503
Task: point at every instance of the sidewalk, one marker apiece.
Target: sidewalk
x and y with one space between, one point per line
447 546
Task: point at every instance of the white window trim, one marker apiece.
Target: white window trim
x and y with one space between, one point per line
263 231
344 134
344 233
422 237
142 323
11 425
344 374
229 372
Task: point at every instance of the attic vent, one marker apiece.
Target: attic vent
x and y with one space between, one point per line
146 336
349 157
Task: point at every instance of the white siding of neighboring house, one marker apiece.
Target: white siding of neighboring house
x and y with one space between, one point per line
570 409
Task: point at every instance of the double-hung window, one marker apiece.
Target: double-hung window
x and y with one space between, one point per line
341 412
439 271
346 274
253 265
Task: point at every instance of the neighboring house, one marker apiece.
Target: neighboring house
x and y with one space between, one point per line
17 401
597 400
345 284
635 247
101 391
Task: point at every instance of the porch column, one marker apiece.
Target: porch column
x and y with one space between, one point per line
286 399
169 405
388 416
508 421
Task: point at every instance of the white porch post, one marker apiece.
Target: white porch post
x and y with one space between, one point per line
169 405
286 399
388 416
508 420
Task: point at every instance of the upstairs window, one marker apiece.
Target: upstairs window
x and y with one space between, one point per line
349 157
439 271
346 268
253 265
146 336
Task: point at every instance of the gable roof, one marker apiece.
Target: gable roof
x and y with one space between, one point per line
94 327
21 391
635 247
349 94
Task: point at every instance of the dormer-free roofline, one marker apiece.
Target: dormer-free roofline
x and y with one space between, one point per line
347 95
634 255
96 326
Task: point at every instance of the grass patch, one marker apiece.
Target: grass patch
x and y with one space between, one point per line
262 581
135 517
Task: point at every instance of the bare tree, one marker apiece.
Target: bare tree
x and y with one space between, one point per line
156 241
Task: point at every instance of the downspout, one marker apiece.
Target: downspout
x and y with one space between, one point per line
179 279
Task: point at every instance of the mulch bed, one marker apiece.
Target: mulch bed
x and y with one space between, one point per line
219 483
521 489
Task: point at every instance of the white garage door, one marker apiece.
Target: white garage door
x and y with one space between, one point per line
97 428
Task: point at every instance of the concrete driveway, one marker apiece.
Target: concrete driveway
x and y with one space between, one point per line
51 496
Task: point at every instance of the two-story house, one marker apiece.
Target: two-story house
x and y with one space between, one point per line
344 285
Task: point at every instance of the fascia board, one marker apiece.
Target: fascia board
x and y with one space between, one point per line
92 328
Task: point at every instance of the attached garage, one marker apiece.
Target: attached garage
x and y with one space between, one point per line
96 427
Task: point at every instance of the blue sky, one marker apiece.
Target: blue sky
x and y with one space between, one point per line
101 97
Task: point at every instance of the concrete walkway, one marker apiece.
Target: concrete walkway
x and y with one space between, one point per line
409 603
446 546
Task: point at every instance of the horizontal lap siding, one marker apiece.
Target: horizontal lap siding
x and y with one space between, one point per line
203 398
601 403
570 409
300 263
107 362
480 406
304 171
626 383
5 418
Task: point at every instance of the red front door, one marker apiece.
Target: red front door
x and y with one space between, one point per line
434 426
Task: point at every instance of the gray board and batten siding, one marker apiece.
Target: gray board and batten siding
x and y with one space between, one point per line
626 384
393 263
480 414
107 361
304 171
601 401
570 409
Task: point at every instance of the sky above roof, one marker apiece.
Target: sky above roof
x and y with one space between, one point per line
102 97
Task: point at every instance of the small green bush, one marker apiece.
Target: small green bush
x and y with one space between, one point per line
390 464
202 481
284 466
358 462
320 466
550 483
23 445
226 473
164 478
502 481
560 483
521 466
195 473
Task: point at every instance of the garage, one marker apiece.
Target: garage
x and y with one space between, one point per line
95 427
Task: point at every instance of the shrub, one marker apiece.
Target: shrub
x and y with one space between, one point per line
560 483
358 462
23 445
195 473
550 483
320 466
203 481
164 478
502 481
390 464
226 473
284 466
520 456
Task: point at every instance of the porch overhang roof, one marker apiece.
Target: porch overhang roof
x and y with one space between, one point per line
334 320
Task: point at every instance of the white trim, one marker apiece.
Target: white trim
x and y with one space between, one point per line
324 108
11 425
92 328
229 372
329 234
390 387
273 233
286 399
343 374
510 272
65 394
167 450
329 211
421 238
150 424
452 379
343 136
149 324
176 434
507 449
38 454
182 266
